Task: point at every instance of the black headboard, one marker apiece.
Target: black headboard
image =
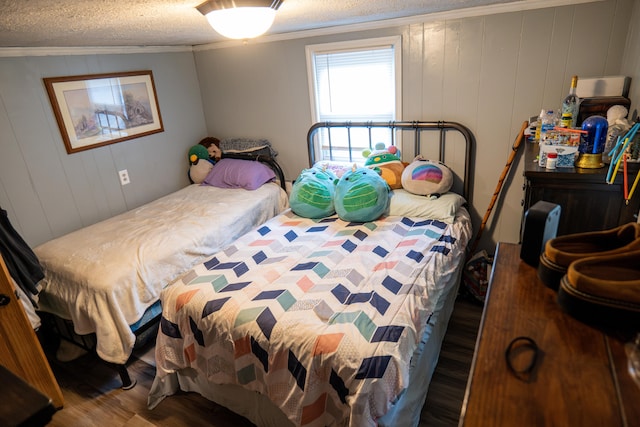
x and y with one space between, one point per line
421 142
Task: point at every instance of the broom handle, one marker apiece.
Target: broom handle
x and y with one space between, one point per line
514 150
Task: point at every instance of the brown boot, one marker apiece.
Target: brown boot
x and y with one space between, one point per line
603 290
561 251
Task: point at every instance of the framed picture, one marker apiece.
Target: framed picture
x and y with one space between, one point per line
102 109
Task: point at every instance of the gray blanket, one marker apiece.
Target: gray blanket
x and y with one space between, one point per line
246 145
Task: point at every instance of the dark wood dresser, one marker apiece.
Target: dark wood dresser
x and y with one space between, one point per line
580 377
587 202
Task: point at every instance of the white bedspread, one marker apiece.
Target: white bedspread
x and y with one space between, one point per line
103 277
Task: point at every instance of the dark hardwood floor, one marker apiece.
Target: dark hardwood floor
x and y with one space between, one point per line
93 396
446 392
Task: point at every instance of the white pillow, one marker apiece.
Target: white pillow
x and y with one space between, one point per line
444 208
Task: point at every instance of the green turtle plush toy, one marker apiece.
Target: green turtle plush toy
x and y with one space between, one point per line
386 160
361 195
313 192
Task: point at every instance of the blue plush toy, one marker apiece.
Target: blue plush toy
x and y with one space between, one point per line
313 192
361 195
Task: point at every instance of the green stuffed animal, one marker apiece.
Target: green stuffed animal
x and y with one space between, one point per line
313 192
361 195
386 160
199 164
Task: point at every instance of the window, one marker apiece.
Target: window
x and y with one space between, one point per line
354 81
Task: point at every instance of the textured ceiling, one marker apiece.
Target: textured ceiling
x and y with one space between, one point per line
50 23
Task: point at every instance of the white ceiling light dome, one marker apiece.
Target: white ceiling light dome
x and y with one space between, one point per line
240 19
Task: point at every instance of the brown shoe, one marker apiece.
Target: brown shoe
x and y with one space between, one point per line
561 251
603 290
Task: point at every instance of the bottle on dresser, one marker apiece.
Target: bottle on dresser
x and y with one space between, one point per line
548 120
571 103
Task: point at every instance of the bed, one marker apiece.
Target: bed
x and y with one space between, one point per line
321 322
102 283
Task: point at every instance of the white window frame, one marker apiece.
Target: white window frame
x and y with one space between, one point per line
354 45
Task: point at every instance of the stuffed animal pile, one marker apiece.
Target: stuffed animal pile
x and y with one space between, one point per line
423 177
202 157
362 194
359 195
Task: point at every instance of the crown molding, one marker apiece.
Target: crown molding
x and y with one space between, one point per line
7 52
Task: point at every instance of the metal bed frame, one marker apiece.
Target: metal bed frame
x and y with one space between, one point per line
463 142
417 127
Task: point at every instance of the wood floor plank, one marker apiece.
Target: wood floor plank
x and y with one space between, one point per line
446 392
93 396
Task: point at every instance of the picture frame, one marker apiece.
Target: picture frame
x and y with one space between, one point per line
100 109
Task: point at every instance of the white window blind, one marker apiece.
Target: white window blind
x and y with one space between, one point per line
353 81
356 85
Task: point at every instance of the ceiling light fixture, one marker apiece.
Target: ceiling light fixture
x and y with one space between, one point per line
240 19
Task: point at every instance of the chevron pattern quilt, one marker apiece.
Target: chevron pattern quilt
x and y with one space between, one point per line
321 316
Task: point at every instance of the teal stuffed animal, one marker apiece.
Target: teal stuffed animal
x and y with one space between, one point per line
362 195
313 192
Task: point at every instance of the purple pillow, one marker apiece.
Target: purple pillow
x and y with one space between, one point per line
236 173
